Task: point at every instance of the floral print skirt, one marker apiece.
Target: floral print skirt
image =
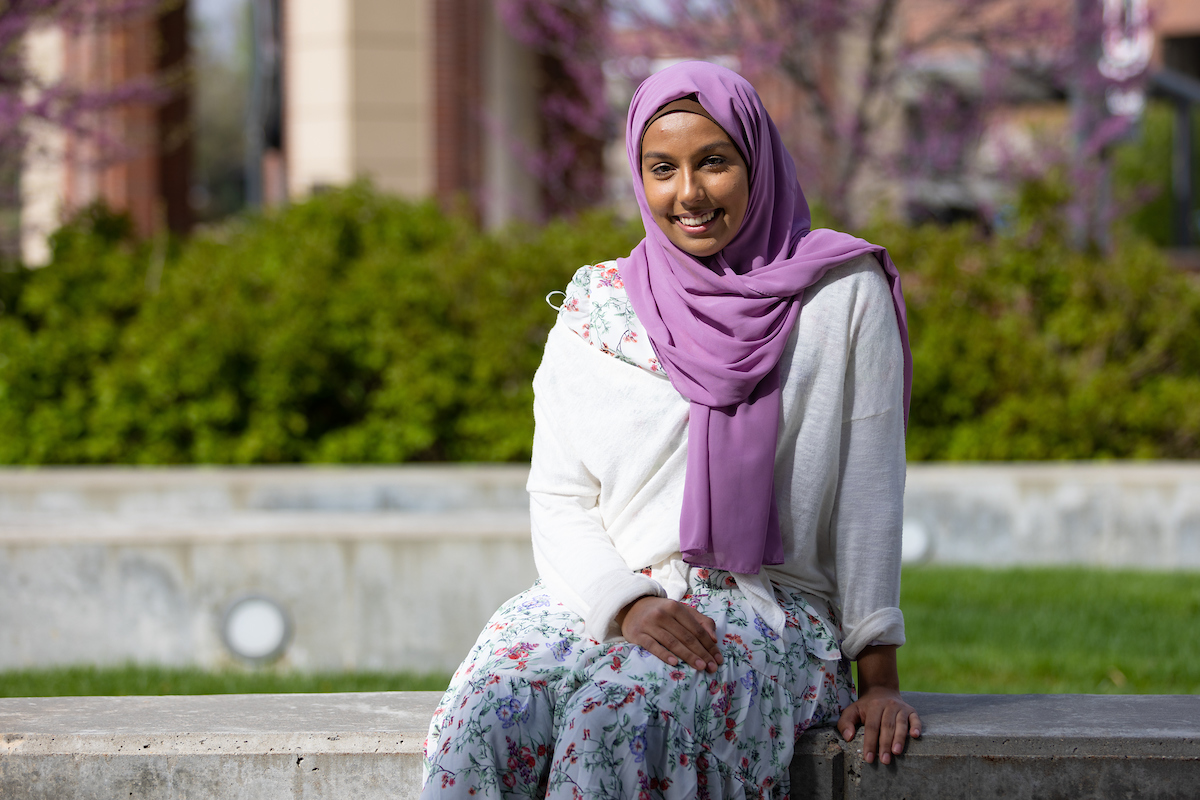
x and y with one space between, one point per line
540 710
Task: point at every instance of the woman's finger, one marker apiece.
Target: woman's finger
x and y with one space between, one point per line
871 733
648 643
697 654
706 633
887 728
703 623
849 721
914 725
887 732
664 621
901 732
686 625
686 652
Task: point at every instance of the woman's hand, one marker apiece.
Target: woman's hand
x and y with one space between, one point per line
887 720
673 631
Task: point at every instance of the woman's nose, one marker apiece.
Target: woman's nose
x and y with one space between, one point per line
693 187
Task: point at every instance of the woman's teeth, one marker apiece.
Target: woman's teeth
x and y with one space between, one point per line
693 222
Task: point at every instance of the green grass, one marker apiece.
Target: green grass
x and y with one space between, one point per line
134 679
1050 630
969 630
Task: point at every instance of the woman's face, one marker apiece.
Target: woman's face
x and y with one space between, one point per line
697 184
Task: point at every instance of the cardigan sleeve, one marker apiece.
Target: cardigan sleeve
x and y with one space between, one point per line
869 510
575 555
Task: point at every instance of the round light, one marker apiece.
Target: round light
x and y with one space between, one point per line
914 542
256 628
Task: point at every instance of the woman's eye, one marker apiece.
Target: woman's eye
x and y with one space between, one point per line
713 161
661 170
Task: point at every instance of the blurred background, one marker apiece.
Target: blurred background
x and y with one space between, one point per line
270 233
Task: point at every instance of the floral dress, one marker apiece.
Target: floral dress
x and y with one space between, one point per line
539 709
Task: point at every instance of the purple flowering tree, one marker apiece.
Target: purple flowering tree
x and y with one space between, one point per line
27 98
570 39
903 88
863 69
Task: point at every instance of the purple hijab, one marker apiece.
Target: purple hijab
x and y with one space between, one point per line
720 324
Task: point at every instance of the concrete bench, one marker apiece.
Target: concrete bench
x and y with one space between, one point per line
260 747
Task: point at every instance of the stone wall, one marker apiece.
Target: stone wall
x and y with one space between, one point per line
393 568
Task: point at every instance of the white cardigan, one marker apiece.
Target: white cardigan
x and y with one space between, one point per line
609 455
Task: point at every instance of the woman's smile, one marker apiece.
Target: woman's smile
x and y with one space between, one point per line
695 223
697 183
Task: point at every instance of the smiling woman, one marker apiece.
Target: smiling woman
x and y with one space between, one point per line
697 183
715 491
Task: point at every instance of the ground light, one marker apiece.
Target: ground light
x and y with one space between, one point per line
256 628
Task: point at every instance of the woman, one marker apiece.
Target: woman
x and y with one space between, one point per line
716 491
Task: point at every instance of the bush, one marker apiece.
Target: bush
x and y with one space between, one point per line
359 328
1024 349
349 328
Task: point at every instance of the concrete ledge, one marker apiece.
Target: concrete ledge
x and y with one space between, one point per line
236 747
253 747
1020 746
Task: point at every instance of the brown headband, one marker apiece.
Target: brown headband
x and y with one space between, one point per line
687 105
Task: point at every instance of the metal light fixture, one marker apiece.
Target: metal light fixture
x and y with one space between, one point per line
256 628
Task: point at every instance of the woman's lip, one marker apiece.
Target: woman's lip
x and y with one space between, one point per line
716 212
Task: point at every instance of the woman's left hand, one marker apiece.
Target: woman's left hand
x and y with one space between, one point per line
887 720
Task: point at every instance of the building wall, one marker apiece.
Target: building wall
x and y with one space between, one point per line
358 95
1176 18
423 98
317 98
392 74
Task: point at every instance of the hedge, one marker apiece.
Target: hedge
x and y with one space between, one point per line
356 327
1024 349
350 328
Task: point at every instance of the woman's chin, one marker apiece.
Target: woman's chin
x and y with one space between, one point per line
700 246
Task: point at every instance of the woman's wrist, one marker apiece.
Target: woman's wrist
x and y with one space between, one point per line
877 668
620 617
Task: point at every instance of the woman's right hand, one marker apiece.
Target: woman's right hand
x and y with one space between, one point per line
671 630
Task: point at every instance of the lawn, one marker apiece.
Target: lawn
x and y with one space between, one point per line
134 679
1050 630
969 630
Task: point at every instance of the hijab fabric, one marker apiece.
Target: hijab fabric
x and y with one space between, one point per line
720 323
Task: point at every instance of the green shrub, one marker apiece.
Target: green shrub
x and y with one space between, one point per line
1024 349
349 328
359 328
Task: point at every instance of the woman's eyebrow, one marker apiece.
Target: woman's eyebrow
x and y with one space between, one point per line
705 149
